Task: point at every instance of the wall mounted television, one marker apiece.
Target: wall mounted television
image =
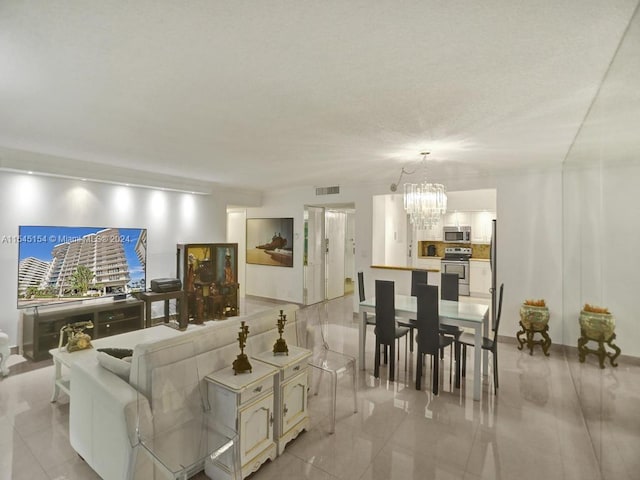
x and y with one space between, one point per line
65 264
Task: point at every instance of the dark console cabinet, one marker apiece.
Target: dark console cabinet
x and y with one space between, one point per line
209 275
41 328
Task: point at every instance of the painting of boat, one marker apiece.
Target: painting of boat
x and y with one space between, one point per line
270 241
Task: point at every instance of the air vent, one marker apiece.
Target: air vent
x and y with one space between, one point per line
327 190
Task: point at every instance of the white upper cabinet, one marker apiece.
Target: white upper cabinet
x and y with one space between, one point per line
481 226
433 234
457 218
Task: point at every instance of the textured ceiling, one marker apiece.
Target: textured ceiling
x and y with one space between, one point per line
297 93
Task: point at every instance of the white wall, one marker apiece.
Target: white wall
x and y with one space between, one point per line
169 217
529 241
529 249
601 256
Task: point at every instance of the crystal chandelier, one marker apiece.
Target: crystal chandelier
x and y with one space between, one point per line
424 202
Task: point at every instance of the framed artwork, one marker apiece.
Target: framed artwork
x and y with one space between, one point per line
270 241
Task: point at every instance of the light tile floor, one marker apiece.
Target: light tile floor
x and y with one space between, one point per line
553 418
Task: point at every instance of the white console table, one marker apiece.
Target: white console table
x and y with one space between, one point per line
244 403
290 386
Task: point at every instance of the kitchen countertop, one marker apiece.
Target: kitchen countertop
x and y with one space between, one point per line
442 258
389 267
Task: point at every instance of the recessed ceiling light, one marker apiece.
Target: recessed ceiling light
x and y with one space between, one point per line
30 172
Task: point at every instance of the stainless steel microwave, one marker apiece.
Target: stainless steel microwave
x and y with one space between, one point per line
457 234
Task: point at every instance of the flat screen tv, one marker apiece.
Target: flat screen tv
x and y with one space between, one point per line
65 264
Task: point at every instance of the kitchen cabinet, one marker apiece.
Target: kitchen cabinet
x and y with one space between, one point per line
457 219
481 226
433 234
290 387
245 403
479 278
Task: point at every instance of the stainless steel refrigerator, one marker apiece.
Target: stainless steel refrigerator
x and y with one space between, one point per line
493 262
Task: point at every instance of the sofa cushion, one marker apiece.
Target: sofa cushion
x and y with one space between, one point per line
120 367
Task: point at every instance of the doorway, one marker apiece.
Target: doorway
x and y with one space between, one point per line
329 246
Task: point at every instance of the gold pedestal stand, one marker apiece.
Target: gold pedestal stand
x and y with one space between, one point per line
280 347
241 363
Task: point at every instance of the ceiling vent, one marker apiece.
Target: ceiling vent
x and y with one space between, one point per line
327 190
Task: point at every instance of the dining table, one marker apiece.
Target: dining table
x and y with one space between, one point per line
460 314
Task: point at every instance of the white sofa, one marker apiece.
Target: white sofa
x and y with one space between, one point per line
104 406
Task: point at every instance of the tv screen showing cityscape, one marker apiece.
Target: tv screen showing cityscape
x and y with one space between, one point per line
64 264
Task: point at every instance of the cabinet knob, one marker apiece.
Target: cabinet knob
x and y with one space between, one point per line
271 418
257 389
284 410
296 368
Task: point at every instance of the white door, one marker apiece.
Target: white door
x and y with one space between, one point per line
314 255
335 235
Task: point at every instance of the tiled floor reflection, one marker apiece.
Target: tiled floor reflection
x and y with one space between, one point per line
553 418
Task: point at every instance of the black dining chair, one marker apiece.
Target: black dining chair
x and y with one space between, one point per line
370 319
387 330
449 286
417 277
429 339
449 290
490 344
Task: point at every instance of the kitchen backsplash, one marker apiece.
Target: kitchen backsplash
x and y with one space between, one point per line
479 251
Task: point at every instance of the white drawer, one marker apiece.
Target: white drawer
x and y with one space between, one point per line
255 390
295 369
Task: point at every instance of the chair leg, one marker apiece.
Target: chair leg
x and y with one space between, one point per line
334 392
464 361
419 360
458 366
386 355
405 352
436 373
411 338
376 360
392 362
354 372
495 370
451 365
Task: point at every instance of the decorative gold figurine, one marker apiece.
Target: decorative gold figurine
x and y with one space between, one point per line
241 364
76 338
280 347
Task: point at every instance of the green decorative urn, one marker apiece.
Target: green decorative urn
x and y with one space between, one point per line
534 318
598 325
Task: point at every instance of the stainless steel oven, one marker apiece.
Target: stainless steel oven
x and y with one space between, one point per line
456 260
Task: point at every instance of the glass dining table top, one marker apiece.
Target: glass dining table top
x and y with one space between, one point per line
467 311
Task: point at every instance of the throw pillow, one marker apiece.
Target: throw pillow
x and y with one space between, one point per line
121 368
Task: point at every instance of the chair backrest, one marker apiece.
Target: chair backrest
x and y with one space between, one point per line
385 311
361 286
497 323
428 318
449 286
417 277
